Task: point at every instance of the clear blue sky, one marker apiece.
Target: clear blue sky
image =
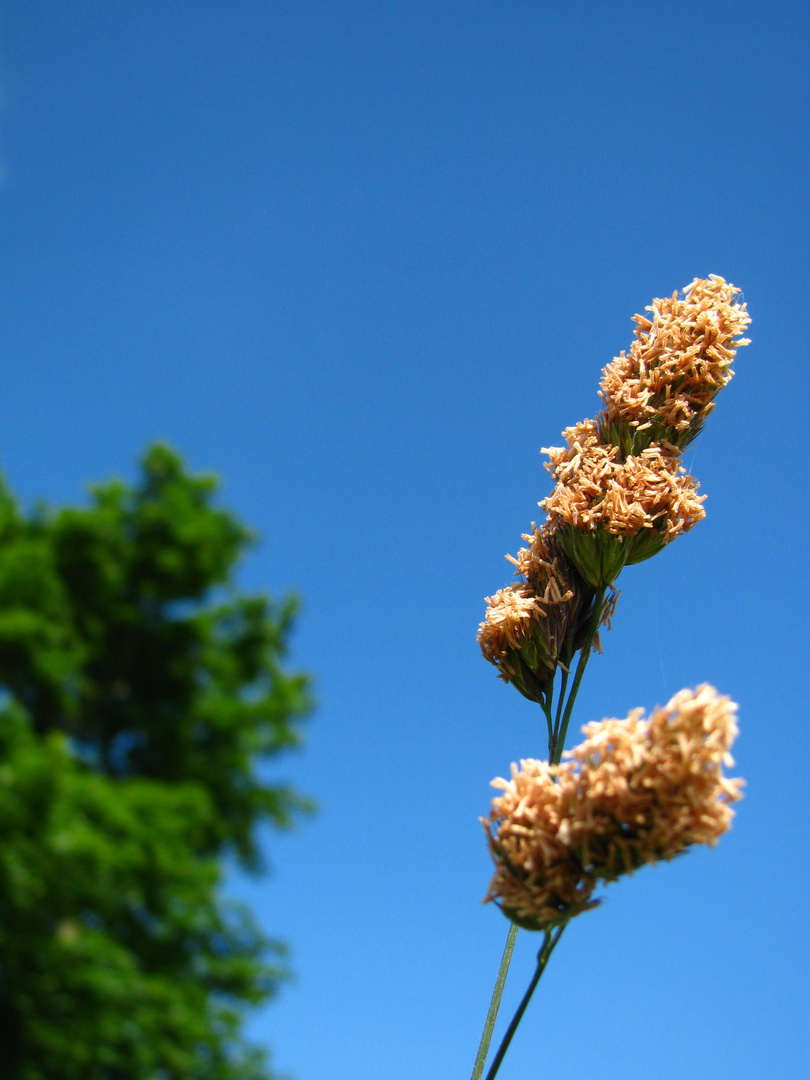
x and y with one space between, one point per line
364 260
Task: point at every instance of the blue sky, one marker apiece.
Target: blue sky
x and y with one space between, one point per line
363 260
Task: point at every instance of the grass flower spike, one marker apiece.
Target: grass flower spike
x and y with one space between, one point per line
639 790
635 792
664 388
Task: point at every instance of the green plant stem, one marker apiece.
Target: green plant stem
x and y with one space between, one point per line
558 739
495 1004
547 705
556 744
560 700
550 939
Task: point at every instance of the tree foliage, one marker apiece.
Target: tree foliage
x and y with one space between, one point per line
140 693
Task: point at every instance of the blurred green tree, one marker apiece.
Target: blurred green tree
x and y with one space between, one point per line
139 693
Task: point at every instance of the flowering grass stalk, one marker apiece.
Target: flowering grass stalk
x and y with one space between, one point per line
636 791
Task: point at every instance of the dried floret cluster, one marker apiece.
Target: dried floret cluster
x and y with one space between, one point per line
635 791
621 493
526 624
611 510
664 388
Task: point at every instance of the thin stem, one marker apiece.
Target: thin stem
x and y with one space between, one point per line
552 738
559 740
494 1004
550 939
546 705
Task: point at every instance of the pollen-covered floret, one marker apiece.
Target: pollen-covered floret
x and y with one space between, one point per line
635 791
664 387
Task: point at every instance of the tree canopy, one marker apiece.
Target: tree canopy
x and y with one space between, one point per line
139 693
